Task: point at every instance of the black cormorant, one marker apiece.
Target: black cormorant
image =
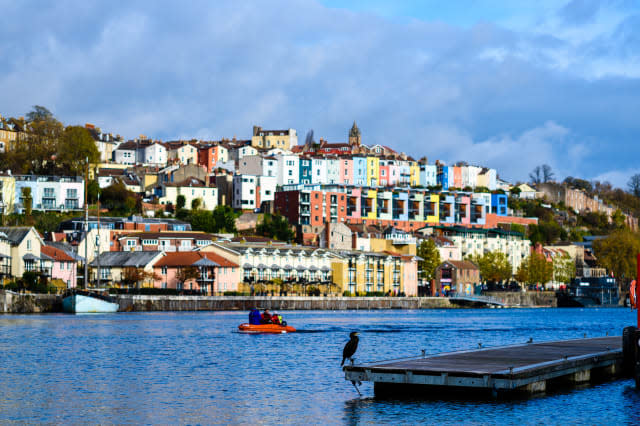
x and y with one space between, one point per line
350 347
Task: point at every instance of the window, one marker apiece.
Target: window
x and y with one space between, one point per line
131 243
28 244
164 270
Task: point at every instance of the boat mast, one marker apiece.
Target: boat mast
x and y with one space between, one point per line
86 224
98 242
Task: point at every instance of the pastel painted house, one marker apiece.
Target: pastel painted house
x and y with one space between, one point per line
50 192
216 274
63 266
25 244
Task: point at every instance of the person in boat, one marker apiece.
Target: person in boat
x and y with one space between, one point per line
254 317
266 317
275 319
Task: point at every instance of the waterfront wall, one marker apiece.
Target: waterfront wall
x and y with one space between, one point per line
19 303
131 303
525 299
11 302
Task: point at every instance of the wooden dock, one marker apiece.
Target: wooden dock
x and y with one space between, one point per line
528 368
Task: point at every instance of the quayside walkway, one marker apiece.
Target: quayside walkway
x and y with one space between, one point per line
526 368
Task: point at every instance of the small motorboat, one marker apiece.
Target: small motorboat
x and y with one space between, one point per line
265 328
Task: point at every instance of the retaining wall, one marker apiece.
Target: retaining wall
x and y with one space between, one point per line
11 302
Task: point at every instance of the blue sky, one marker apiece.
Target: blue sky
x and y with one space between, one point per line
493 83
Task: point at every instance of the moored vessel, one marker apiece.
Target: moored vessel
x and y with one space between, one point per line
77 301
588 292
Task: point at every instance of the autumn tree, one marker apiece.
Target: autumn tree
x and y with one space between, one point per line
564 268
187 273
618 253
430 255
41 142
494 266
132 277
76 145
535 270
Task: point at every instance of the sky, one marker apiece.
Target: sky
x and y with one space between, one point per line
503 84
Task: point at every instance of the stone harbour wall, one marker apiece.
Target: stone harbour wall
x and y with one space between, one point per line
12 302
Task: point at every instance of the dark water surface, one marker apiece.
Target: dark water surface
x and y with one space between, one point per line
177 368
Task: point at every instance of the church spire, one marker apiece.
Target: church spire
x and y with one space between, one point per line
355 138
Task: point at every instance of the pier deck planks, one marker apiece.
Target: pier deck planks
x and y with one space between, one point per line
506 367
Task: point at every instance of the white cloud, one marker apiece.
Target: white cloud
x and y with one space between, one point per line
510 98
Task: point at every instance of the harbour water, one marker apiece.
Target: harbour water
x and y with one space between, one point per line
177 368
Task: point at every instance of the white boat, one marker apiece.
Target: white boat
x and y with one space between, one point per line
88 301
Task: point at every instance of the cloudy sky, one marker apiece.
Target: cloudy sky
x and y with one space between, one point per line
490 82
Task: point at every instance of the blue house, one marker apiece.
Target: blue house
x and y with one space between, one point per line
499 204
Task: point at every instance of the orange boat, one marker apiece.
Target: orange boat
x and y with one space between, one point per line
265 328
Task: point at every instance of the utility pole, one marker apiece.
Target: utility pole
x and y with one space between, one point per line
86 224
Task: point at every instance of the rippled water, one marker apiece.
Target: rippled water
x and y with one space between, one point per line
193 368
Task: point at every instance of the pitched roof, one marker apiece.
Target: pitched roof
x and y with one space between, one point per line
15 234
170 234
462 264
125 258
56 254
190 258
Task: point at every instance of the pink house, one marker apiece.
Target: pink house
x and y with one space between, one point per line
64 267
463 209
346 171
384 173
216 274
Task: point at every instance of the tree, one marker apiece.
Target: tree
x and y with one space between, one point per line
195 203
118 199
41 144
535 270
75 147
187 273
564 268
494 266
224 219
93 189
547 173
39 113
132 276
275 226
181 201
536 175
28 200
634 184
618 253
515 191
430 255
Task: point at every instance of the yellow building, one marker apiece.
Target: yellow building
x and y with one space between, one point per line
360 273
414 172
267 139
373 171
432 208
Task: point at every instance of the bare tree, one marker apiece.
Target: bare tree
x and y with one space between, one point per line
536 175
547 173
634 185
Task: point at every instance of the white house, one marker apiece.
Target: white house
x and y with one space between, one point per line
50 192
191 189
288 169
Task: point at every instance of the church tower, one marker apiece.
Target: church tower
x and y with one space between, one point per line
355 139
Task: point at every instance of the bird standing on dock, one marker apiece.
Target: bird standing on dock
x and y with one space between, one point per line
350 347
